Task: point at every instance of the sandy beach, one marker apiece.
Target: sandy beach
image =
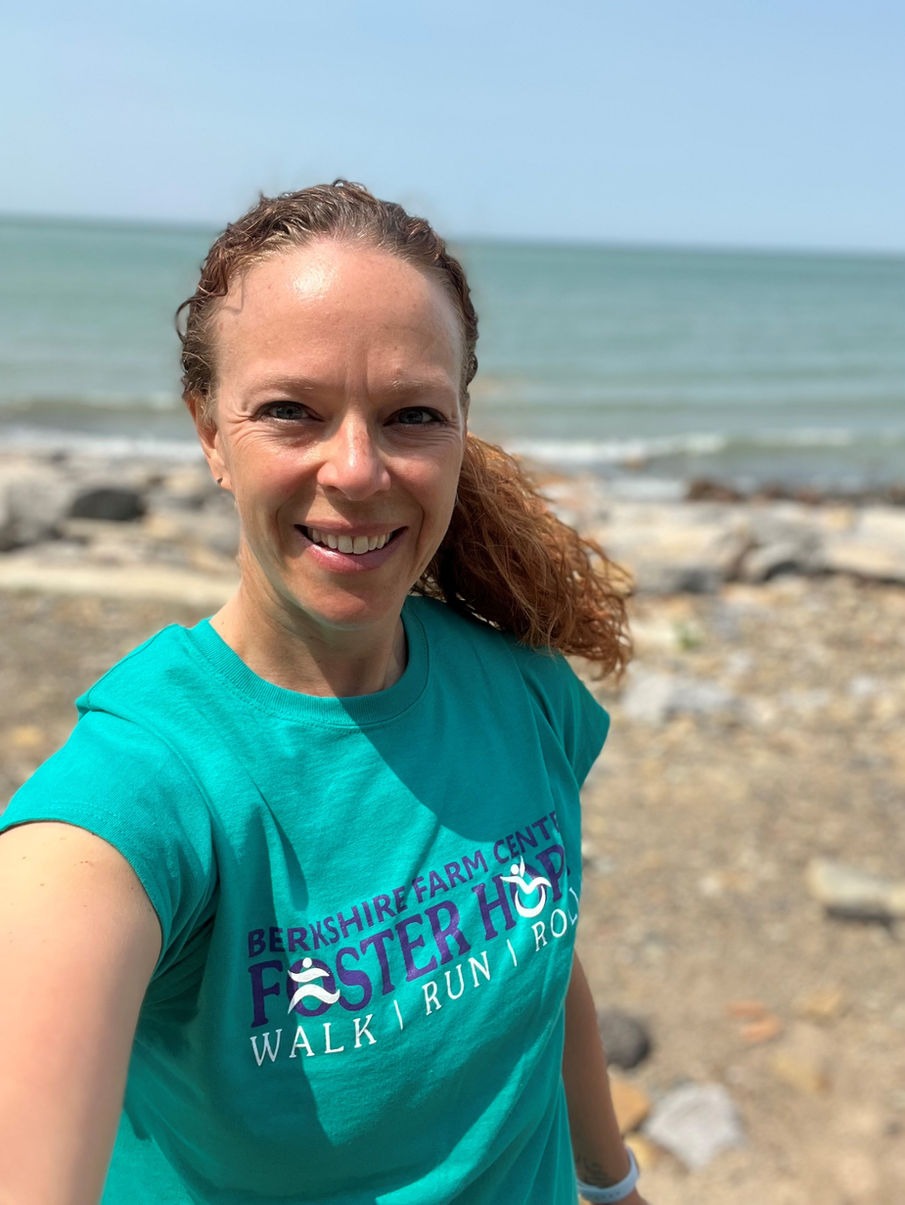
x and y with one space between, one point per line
756 740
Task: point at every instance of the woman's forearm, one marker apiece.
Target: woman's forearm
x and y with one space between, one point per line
600 1154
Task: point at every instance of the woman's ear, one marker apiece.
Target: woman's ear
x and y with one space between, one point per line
205 421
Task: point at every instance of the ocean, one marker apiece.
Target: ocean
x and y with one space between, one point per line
648 366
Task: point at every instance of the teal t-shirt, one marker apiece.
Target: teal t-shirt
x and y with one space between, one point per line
368 908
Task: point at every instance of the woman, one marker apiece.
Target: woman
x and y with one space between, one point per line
304 881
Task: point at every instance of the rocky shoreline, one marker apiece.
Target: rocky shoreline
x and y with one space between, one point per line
70 512
744 849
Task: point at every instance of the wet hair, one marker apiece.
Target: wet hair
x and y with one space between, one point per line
343 212
506 559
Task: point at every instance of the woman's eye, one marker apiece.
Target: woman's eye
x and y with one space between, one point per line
286 412
417 416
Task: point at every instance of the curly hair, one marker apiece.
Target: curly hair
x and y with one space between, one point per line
509 560
506 559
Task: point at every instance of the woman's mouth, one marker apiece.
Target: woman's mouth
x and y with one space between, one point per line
354 545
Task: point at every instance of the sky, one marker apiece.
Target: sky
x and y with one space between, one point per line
763 123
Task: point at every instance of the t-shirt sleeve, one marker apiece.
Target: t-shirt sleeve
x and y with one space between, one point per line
127 787
586 724
579 721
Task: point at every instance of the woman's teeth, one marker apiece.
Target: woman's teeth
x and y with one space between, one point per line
354 544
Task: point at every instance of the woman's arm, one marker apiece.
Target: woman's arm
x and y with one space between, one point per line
600 1154
78 944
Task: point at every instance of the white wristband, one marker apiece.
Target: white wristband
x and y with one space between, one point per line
615 1192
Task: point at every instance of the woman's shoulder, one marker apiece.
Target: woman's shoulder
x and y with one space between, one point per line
159 656
473 659
450 629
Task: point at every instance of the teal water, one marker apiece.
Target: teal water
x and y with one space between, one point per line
639 363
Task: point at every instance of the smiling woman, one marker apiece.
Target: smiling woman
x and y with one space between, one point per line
335 421
280 841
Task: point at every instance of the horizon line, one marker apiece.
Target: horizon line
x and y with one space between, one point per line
634 243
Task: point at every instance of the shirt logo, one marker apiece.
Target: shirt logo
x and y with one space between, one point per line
527 888
309 988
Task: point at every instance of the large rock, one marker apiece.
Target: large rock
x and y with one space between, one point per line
671 549
696 547
695 1123
874 548
33 506
654 698
187 487
110 503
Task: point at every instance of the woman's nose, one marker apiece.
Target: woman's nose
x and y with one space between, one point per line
353 462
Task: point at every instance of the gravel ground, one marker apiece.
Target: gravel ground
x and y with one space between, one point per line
696 914
700 824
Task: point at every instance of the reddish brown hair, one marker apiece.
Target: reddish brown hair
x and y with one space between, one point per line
506 558
509 560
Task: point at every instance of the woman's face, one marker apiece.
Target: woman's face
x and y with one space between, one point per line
337 426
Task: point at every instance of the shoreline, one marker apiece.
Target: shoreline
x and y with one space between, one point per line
72 523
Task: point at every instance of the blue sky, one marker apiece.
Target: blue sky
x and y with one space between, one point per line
763 123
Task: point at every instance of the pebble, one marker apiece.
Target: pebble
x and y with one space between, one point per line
848 892
695 1122
803 1060
823 1004
626 1039
757 1024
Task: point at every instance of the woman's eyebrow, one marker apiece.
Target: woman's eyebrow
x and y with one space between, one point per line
286 383
399 388
405 387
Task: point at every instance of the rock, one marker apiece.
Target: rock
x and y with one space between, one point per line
626 1039
756 1033
874 548
118 504
669 550
697 547
803 1060
654 698
757 1023
632 1104
198 533
823 1004
703 489
848 892
695 1123
33 504
187 487
784 556
777 542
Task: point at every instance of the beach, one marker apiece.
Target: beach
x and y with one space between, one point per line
743 851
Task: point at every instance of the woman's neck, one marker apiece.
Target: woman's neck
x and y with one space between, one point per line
285 650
